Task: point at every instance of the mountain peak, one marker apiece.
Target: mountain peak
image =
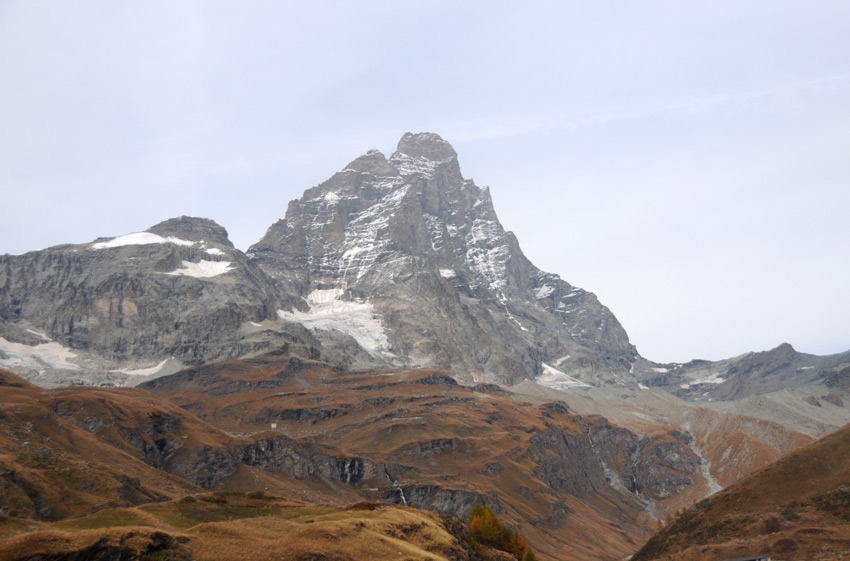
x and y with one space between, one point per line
192 229
415 266
426 145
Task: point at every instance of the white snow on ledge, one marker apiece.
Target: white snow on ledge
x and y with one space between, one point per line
557 380
203 269
213 251
357 319
448 273
711 379
148 371
140 238
544 291
38 357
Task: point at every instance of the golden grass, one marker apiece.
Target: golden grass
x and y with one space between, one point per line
252 529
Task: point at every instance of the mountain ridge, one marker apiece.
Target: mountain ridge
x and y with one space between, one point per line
396 262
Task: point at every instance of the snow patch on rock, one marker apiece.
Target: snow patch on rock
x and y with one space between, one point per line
544 291
408 165
203 269
711 379
140 238
39 357
364 238
329 312
448 273
170 364
557 380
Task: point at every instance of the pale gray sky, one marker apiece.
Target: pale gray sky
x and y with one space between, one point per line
689 162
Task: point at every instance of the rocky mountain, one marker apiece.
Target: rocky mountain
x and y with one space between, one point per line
747 375
116 311
392 262
416 252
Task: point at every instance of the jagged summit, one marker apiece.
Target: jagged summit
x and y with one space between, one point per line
425 145
421 250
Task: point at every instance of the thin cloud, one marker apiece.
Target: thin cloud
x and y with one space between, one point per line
536 124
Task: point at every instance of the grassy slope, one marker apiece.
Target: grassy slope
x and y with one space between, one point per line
50 468
797 508
237 527
385 416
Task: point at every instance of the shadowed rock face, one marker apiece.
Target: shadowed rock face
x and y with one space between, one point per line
447 286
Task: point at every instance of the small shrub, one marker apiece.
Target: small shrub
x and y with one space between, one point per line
772 525
257 495
366 505
789 514
188 499
785 546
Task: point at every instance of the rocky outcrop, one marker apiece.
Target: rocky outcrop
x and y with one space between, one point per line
455 502
40 507
600 457
285 455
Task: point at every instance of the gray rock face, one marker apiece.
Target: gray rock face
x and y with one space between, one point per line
446 501
419 253
179 290
605 457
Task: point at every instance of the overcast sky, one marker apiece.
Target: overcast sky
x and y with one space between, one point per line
689 162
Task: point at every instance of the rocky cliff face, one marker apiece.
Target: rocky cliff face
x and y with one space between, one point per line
410 259
180 291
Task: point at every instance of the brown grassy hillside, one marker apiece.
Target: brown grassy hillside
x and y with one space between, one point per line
236 527
447 446
576 486
796 508
50 468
